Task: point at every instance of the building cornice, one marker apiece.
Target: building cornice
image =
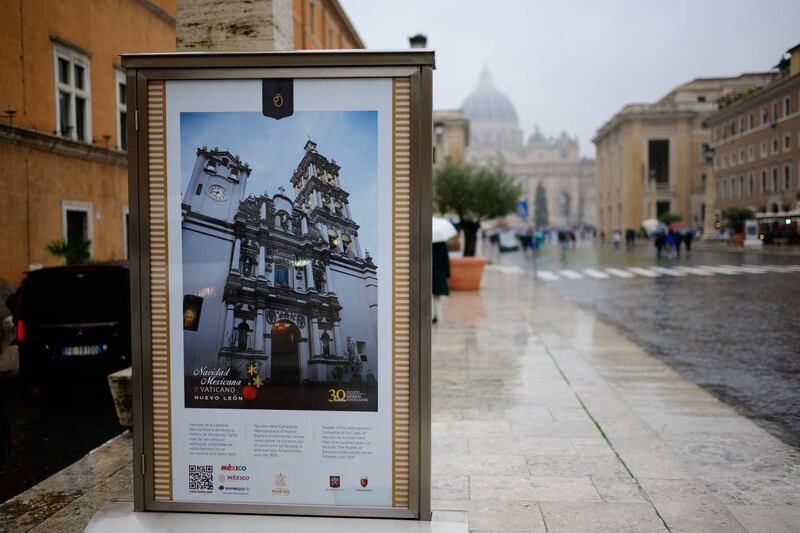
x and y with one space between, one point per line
340 10
646 113
754 100
157 11
47 142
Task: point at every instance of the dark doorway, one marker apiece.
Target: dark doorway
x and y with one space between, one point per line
285 360
658 161
662 208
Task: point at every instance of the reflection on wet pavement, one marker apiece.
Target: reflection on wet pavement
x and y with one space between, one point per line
53 428
543 415
730 324
544 419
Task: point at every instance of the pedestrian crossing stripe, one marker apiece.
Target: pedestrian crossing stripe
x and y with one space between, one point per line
695 271
747 269
570 274
776 268
719 270
506 269
658 271
596 274
644 272
669 271
619 273
546 275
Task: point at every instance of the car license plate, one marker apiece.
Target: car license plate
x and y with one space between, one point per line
82 350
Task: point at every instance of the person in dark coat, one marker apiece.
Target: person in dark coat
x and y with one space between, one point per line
659 241
678 241
441 271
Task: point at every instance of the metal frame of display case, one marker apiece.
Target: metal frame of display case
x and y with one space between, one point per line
412 68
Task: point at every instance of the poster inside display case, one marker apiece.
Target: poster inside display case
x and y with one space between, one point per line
281 275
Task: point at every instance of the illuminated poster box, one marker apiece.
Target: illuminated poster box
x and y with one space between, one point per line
280 264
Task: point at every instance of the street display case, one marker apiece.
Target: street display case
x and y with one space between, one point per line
280 237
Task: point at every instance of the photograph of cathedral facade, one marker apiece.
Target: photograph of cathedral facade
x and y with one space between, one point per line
555 163
279 294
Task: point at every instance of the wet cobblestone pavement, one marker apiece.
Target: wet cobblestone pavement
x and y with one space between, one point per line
53 430
736 335
547 419
544 419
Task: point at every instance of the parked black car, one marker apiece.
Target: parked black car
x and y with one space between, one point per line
73 319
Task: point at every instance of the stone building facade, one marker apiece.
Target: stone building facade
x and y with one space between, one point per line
278 281
63 108
63 123
264 25
495 139
756 151
450 137
651 158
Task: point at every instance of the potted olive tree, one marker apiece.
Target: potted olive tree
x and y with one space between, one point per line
473 194
736 217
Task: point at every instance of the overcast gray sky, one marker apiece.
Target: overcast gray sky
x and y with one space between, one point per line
570 65
274 148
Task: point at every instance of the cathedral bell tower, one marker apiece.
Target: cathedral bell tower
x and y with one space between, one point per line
217 185
319 194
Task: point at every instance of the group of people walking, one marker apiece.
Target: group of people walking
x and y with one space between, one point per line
671 241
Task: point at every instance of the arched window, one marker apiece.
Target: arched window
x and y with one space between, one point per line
333 238
281 276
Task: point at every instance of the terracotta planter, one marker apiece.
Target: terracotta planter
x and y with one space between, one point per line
466 273
738 239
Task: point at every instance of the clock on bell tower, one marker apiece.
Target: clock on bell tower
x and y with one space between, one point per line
217 185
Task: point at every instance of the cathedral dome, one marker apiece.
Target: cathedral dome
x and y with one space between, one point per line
487 104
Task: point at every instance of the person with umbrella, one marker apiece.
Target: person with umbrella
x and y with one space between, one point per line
443 231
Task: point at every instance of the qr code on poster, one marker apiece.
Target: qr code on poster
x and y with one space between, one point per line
201 478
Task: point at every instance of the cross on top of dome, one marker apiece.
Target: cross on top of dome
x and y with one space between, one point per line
486 76
488 104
